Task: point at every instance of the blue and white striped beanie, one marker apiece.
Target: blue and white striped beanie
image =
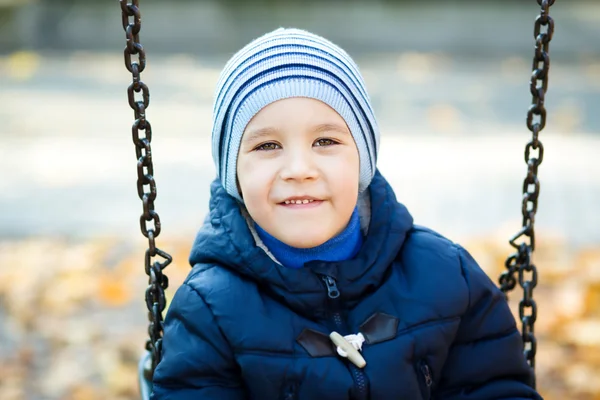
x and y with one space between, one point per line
282 64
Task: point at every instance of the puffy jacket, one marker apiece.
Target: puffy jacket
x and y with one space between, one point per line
243 327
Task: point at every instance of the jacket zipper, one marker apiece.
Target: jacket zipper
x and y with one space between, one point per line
359 377
332 289
425 379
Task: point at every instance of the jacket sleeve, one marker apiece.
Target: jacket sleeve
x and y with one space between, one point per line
486 360
197 361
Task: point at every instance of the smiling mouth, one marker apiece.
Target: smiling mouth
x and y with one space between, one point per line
300 203
305 201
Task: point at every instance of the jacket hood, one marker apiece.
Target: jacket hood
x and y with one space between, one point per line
226 240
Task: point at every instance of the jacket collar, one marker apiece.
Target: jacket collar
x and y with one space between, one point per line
225 239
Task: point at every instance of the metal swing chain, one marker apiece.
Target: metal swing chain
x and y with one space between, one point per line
146 185
520 262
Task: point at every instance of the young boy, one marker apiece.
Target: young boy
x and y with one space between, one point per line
309 279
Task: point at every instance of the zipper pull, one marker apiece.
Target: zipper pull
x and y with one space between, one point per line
427 374
332 289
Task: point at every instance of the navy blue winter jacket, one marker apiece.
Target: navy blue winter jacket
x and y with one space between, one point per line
244 327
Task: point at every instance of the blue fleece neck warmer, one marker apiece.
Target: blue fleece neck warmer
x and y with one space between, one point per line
344 246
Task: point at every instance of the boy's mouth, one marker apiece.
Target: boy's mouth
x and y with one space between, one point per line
300 201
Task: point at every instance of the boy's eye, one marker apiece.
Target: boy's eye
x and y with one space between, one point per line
267 146
325 142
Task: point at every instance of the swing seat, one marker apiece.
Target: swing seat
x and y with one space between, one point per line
144 383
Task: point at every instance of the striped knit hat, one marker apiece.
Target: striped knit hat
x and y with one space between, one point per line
282 64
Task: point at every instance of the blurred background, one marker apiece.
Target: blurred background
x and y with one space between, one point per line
449 81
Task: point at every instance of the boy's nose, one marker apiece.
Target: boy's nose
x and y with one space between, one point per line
299 165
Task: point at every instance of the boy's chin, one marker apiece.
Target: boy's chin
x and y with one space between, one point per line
301 241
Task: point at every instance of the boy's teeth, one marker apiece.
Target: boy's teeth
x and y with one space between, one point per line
305 201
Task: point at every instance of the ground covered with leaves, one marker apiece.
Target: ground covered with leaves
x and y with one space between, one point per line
73 323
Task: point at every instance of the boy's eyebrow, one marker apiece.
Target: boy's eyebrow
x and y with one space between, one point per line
259 133
331 127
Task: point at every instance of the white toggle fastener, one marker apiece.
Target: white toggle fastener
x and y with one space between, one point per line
349 347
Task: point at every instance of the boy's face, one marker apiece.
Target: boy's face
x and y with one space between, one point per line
299 149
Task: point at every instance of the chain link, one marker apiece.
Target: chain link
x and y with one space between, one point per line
155 260
520 262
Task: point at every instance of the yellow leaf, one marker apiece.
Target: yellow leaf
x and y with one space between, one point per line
113 291
22 65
